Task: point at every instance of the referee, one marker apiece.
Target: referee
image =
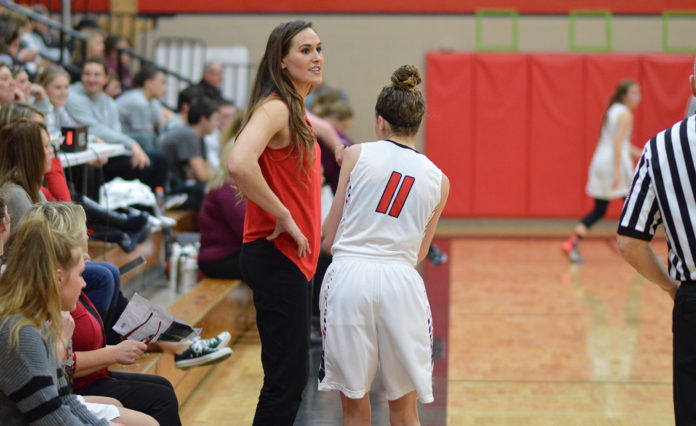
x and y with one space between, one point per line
664 191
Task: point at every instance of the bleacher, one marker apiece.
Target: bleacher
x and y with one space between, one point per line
213 305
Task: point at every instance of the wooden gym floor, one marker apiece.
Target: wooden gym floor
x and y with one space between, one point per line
522 338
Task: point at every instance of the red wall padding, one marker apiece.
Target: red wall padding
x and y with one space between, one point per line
515 132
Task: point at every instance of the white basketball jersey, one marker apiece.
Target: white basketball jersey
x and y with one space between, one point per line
392 193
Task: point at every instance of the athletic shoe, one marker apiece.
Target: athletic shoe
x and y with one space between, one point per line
198 354
214 343
436 256
570 248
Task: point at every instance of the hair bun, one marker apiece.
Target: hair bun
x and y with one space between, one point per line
406 77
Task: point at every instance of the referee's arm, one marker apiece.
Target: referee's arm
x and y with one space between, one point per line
641 256
639 219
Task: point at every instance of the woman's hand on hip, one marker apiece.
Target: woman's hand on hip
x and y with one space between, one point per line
288 225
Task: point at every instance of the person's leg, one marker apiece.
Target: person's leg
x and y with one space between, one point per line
128 417
570 246
153 175
101 286
227 268
684 354
281 295
357 412
404 411
146 393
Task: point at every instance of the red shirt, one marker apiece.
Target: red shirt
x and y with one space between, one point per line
300 192
88 336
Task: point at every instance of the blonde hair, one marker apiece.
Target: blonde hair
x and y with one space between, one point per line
29 287
63 216
221 174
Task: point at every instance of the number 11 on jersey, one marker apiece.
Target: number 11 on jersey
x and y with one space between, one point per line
404 188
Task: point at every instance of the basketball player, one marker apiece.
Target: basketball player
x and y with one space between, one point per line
374 308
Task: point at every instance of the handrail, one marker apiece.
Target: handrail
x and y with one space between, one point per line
149 61
62 29
40 18
79 36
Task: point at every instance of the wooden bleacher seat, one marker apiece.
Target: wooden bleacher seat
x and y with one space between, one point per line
213 305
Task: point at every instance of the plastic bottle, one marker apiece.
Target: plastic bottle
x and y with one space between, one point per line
159 197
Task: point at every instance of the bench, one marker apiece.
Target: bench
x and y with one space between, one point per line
213 305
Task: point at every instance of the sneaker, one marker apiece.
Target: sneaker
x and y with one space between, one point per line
214 343
197 355
570 248
436 256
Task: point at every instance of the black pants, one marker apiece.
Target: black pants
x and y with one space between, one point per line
147 393
281 298
600 209
684 354
153 175
228 268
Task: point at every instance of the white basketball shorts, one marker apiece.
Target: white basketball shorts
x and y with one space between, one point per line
375 311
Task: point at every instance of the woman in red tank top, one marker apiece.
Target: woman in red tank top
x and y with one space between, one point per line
276 165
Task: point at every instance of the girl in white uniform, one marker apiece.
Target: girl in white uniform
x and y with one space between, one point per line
611 169
374 308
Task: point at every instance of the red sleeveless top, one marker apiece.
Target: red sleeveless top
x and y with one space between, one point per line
300 192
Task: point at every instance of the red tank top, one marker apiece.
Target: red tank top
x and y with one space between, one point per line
300 192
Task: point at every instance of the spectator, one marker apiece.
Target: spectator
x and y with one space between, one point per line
11 27
140 110
8 87
41 39
32 296
94 49
221 222
213 141
31 93
25 156
184 99
56 83
122 69
88 105
211 81
113 87
185 152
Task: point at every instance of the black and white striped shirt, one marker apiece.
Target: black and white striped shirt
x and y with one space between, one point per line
664 191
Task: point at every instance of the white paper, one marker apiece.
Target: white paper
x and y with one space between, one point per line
143 320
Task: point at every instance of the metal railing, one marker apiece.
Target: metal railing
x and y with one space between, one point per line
66 32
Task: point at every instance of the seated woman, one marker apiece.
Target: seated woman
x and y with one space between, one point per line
149 394
25 156
94 352
221 222
33 387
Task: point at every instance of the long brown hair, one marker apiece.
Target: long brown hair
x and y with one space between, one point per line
22 156
618 96
270 78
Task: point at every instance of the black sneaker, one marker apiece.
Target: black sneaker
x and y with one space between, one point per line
217 342
200 354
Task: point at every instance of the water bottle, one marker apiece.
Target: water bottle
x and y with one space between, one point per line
174 266
159 197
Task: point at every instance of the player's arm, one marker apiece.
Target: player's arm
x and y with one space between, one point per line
432 224
350 158
622 127
641 256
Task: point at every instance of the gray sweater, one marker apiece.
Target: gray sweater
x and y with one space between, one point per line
137 114
99 113
33 389
19 203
